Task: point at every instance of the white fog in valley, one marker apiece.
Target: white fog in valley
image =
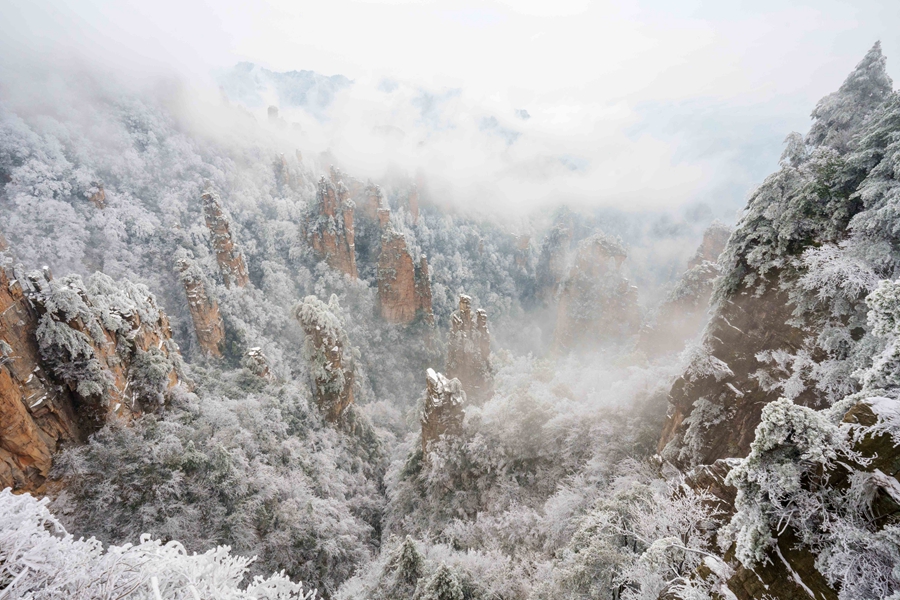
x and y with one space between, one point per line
426 300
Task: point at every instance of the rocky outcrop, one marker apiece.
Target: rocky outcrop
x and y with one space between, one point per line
423 290
412 201
787 375
404 291
552 263
329 354
285 175
685 310
790 570
36 413
443 408
760 343
74 355
714 239
469 351
720 381
555 257
523 252
373 202
97 195
330 227
204 310
108 342
231 262
355 188
384 217
257 363
597 304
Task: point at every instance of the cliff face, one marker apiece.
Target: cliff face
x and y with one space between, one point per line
355 187
231 262
329 354
714 239
284 175
443 409
469 351
74 355
798 374
790 567
373 202
404 291
523 252
412 201
789 309
552 262
423 291
597 304
204 310
684 311
330 227
36 413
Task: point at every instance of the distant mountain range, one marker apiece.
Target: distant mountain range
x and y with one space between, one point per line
247 84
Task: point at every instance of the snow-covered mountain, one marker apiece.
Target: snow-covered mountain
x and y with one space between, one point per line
213 337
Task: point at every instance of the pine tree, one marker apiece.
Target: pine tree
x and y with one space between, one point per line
407 563
838 115
443 585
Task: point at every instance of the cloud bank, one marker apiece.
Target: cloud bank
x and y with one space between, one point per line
506 106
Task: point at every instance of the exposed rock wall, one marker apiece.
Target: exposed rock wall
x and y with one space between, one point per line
330 227
355 188
597 304
714 239
329 354
258 363
443 408
552 263
124 360
74 355
523 252
423 291
285 175
469 351
763 310
204 310
231 262
789 569
404 291
685 310
719 379
412 201
374 201
36 413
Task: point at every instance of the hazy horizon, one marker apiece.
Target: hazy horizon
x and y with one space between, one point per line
645 105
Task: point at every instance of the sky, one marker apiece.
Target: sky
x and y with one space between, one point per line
667 103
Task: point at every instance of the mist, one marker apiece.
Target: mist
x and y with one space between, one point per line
449 300
637 106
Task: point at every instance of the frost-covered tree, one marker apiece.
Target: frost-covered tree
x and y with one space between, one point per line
244 463
40 560
443 585
837 115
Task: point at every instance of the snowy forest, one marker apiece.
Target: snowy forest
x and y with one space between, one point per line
230 367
